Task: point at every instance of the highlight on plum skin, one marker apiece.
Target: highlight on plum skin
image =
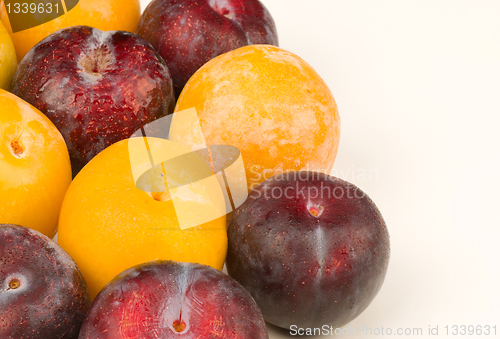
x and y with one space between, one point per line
166 299
311 249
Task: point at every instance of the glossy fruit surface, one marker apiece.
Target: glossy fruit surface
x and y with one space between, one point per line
106 15
108 225
96 87
35 171
271 105
8 60
42 292
311 249
165 299
188 33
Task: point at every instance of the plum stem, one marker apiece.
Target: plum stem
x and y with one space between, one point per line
17 148
162 196
179 326
14 284
316 211
96 61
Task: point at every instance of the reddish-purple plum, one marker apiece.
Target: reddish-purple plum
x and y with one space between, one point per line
310 248
188 33
96 87
42 292
167 299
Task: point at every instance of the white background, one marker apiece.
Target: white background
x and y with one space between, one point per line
418 89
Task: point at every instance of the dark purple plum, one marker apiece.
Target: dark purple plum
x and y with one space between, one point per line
96 87
42 292
188 33
167 299
310 248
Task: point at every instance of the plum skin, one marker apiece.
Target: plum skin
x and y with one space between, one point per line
42 292
188 33
308 258
163 299
96 87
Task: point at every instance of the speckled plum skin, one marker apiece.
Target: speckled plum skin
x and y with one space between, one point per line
42 292
96 87
167 299
316 255
188 33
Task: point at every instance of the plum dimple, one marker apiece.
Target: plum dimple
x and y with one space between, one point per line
42 292
166 299
310 248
